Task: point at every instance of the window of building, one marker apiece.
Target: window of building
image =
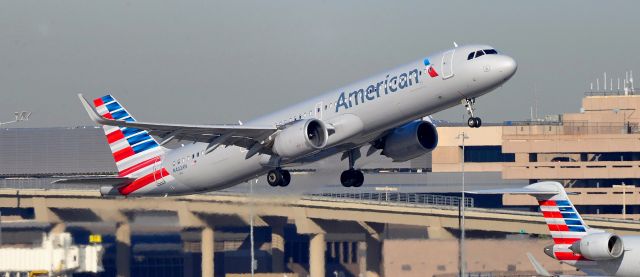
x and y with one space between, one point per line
487 154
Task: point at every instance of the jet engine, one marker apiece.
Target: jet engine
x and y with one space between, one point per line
410 141
301 138
599 246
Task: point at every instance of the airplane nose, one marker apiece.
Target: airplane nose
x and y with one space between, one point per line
507 66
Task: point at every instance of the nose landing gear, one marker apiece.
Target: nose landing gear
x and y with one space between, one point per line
473 122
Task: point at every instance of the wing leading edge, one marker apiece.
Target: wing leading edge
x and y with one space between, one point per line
241 135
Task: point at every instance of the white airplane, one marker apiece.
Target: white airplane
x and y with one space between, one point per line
385 112
593 251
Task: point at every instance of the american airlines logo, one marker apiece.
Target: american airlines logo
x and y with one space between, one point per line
389 84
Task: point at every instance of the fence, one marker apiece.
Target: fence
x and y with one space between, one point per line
395 197
572 128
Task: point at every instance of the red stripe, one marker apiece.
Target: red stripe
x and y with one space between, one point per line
547 203
98 102
432 72
565 240
139 166
143 181
552 214
568 256
115 136
108 116
124 153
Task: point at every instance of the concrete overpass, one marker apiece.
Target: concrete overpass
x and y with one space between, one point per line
313 216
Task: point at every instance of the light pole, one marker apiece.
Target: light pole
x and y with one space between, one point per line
624 198
20 116
461 263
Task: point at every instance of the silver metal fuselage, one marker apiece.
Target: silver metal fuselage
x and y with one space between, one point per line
356 122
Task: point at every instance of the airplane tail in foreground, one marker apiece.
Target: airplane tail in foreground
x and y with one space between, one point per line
565 223
135 152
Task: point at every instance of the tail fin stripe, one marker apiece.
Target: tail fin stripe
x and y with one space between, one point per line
551 214
573 222
565 203
139 166
107 98
130 131
124 153
119 114
113 106
547 203
137 158
114 136
143 181
137 138
107 116
565 240
576 229
570 215
98 102
145 146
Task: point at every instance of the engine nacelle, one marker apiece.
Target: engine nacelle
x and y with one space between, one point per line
301 138
599 246
410 141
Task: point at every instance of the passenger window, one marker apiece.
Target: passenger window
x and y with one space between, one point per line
490 51
470 56
479 53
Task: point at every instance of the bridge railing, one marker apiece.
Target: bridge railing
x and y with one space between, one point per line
395 197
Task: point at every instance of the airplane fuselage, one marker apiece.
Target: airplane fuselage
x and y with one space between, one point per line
360 112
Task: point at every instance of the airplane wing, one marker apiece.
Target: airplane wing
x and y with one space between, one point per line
111 181
537 266
240 135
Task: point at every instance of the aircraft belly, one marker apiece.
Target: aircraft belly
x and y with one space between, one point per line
222 168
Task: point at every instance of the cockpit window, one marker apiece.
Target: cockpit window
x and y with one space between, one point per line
479 53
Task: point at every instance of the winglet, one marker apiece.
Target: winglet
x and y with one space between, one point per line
537 266
93 114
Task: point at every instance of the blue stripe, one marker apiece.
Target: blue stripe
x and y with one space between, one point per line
113 106
119 114
426 62
138 138
566 209
576 228
564 203
130 131
107 99
145 146
128 119
573 222
569 215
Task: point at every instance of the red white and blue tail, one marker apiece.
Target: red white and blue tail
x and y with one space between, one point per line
565 223
134 151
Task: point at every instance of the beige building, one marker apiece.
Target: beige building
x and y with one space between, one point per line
593 152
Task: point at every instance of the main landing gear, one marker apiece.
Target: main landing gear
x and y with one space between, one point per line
473 122
352 177
278 177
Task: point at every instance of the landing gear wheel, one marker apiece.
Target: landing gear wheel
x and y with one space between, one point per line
352 178
478 122
286 176
275 178
474 122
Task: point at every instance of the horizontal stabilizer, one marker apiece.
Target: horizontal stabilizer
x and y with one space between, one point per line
112 181
537 266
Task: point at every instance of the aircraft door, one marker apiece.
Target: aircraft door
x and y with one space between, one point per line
447 64
318 110
158 177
